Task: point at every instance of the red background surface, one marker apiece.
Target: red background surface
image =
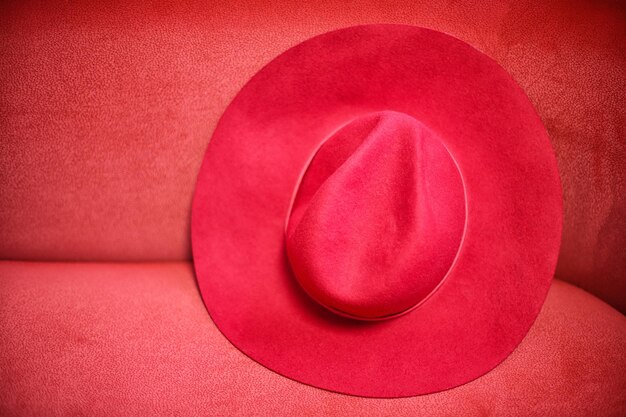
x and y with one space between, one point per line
135 340
105 113
106 110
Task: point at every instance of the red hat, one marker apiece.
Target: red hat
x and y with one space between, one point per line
378 213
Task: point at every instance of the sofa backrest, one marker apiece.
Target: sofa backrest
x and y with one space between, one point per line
106 111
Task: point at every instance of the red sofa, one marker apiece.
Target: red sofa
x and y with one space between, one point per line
105 113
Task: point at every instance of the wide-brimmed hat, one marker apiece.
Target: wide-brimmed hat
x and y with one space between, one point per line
378 213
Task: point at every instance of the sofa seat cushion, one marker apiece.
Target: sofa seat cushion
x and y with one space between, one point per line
135 339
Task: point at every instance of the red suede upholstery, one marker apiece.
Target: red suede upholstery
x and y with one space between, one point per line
106 109
105 113
135 340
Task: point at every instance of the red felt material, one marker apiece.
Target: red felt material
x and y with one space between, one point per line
89 339
378 217
106 109
263 143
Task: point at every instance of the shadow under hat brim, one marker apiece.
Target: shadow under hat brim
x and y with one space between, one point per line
505 264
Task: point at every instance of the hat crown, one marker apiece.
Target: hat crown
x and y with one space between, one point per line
377 218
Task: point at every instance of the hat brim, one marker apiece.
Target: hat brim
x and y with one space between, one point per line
505 263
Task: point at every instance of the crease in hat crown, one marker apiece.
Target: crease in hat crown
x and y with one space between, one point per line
377 217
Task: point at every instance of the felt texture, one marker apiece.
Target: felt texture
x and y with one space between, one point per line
378 218
106 109
89 339
272 129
